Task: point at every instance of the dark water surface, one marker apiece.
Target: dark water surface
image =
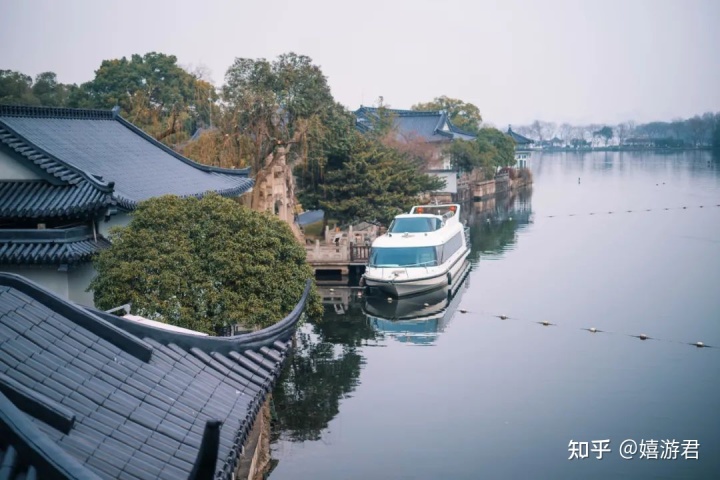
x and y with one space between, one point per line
468 395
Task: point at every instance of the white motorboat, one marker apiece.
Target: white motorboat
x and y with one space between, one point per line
422 250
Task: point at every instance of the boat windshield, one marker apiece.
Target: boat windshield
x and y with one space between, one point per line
415 225
403 257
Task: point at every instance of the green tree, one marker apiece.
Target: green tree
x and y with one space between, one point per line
491 149
153 92
463 115
203 264
275 103
49 91
16 89
374 184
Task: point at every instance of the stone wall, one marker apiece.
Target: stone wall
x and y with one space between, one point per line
274 190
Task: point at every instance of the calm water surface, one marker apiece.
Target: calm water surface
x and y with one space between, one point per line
468 395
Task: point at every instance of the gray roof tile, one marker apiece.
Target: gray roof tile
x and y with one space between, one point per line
108 152
132 417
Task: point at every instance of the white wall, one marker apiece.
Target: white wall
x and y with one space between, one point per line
450 181
12 169
79 277
119 220
46 276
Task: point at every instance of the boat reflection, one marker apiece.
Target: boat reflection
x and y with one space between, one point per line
418 319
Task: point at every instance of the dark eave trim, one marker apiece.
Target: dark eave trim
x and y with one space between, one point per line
50 460
280 331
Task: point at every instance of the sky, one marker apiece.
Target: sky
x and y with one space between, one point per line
577 61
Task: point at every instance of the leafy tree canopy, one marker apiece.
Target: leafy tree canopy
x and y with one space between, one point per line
153 92
203 264
490 150
19 89
462 114
375 184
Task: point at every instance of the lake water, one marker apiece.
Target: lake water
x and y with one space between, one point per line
469 395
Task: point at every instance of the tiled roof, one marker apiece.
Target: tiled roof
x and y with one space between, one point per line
106 150
49 247
84 394
427 125
519 139
40 199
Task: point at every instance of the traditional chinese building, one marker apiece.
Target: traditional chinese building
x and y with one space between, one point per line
87 395
67 176
434 128
522 148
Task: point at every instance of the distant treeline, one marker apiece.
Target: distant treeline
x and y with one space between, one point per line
700 131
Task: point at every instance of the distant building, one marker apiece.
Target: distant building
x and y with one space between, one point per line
432 127
67 176
522 148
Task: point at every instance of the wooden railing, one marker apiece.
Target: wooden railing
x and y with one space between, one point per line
359 253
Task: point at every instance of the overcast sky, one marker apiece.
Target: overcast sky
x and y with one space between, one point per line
556 60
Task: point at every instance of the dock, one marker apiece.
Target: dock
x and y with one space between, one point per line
342 254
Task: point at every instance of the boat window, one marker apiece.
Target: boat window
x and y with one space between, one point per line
452 246
415 225
403 257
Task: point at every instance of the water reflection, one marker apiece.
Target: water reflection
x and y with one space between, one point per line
323 369
419 319
496 221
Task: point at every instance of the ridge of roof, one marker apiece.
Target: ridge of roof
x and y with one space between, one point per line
400 112
56 112
242 172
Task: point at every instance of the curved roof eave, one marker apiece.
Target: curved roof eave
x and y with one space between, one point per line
281 331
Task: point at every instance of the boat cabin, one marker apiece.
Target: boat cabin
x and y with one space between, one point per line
423 219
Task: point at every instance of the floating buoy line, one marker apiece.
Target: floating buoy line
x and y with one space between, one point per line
628 211
547 323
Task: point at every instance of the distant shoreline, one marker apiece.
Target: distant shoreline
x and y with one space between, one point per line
617 149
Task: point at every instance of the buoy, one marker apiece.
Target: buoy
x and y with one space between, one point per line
389 299
426 304
593 329
642 336
699 344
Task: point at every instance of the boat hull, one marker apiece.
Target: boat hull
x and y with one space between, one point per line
416 284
